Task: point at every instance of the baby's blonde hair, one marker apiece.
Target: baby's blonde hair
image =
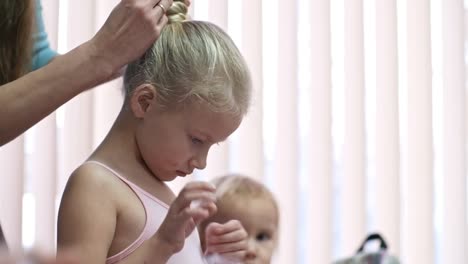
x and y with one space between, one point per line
236 186
240 190
193 61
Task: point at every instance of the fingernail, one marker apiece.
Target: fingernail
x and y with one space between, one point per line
196 204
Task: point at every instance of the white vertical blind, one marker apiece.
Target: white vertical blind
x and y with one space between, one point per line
286 156
218 13
43 175
50 13
249 150
319 163
418 233
353 203
454 136
11 191
387 177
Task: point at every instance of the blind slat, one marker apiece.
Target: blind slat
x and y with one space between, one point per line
218 13
454 139
50 11
319 161
44 175
387 188
286 153
11 191
353 203
249 148
418 237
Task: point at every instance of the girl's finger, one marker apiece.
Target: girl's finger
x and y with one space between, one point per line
239 246
235 236
228 227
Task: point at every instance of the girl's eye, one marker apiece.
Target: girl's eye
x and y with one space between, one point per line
196 141
263 237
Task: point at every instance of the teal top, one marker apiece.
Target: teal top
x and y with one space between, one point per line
42 53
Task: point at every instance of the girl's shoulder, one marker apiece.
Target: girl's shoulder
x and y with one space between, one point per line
101 183
88 213
91 176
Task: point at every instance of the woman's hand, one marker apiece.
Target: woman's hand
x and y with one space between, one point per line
131 28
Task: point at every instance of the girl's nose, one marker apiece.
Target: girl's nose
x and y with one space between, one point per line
198 162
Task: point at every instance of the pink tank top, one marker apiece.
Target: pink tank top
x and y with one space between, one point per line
156 211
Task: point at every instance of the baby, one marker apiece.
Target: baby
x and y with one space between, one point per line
244 199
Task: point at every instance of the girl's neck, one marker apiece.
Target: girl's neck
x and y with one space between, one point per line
120 150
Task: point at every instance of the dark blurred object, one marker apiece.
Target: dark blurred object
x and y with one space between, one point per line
2 239
380 256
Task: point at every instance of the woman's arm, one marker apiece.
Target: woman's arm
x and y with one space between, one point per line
26 101
130 30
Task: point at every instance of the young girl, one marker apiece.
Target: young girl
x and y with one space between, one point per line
250 202
189 91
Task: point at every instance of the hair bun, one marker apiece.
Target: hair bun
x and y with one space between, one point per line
177 12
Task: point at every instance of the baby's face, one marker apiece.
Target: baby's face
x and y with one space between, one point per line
260 220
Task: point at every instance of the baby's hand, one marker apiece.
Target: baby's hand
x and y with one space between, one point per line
228 240
182 218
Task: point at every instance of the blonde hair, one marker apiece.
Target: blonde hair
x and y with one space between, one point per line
237 189
235 186
193 61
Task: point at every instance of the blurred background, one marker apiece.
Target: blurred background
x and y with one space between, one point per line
358 125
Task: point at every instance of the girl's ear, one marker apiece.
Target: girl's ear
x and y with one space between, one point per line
142 100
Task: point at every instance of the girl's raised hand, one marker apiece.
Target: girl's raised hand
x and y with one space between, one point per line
195 203
228 241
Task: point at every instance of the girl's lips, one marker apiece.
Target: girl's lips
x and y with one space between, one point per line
181 173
